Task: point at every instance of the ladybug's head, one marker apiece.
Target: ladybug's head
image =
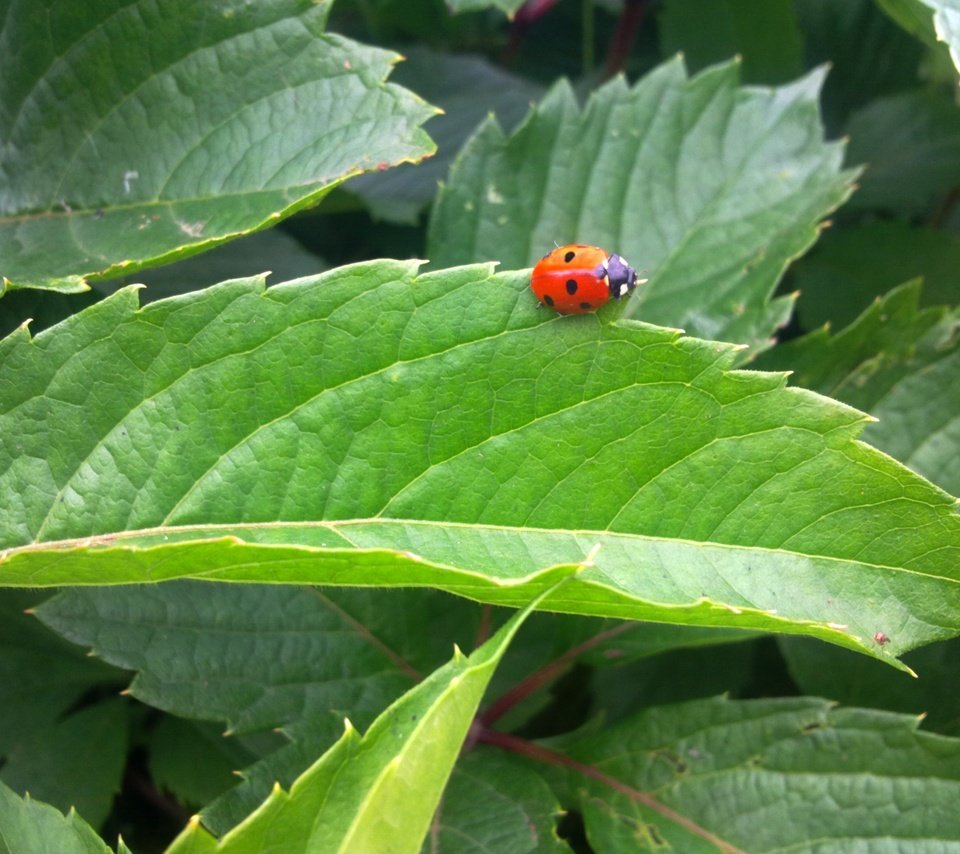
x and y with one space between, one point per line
621 277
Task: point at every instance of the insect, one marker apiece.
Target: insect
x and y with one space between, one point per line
576 278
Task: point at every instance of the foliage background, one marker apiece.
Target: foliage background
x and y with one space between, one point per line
723 197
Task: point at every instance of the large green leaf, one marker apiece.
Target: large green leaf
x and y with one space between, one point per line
379 792
372 427
709 187
768 775
115 157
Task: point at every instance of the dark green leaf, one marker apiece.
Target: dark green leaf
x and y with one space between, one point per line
709 187
41 676
114 158
769 775
194 761
76 763
850 267
468 89
911 146
495 804
849 679
869 55
765 34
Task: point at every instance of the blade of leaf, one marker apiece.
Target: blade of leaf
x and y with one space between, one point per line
710 187
541 437
379 791
113 158
946 22
767 775
30 825
900 363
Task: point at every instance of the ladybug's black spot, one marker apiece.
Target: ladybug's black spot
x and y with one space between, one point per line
571 286
569 256
586 306
548 300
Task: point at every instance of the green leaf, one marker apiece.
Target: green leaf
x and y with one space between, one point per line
902 365
851 266
851 680
371 427
30 826
911 146
262 657
113 158
509 7
869 55
709 187
467 89
379 791
41 676
193 761
946 22
77 763
495 803
768 775
706 32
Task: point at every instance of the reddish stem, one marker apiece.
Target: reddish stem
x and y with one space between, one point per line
631 17
526 748
536 680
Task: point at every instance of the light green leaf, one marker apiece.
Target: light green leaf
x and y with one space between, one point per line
114 158
371 427
766 35
910 144
378 792
509 7
946 22
768 775
902 365
709 187
32 826
76 763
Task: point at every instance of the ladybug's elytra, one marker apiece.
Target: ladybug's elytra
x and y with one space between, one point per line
576 278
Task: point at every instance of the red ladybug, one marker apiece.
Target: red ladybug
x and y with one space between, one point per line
577 278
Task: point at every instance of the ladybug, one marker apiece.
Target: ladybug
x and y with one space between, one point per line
576 278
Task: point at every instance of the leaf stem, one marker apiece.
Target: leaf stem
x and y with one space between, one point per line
631 17
536 680
522 747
